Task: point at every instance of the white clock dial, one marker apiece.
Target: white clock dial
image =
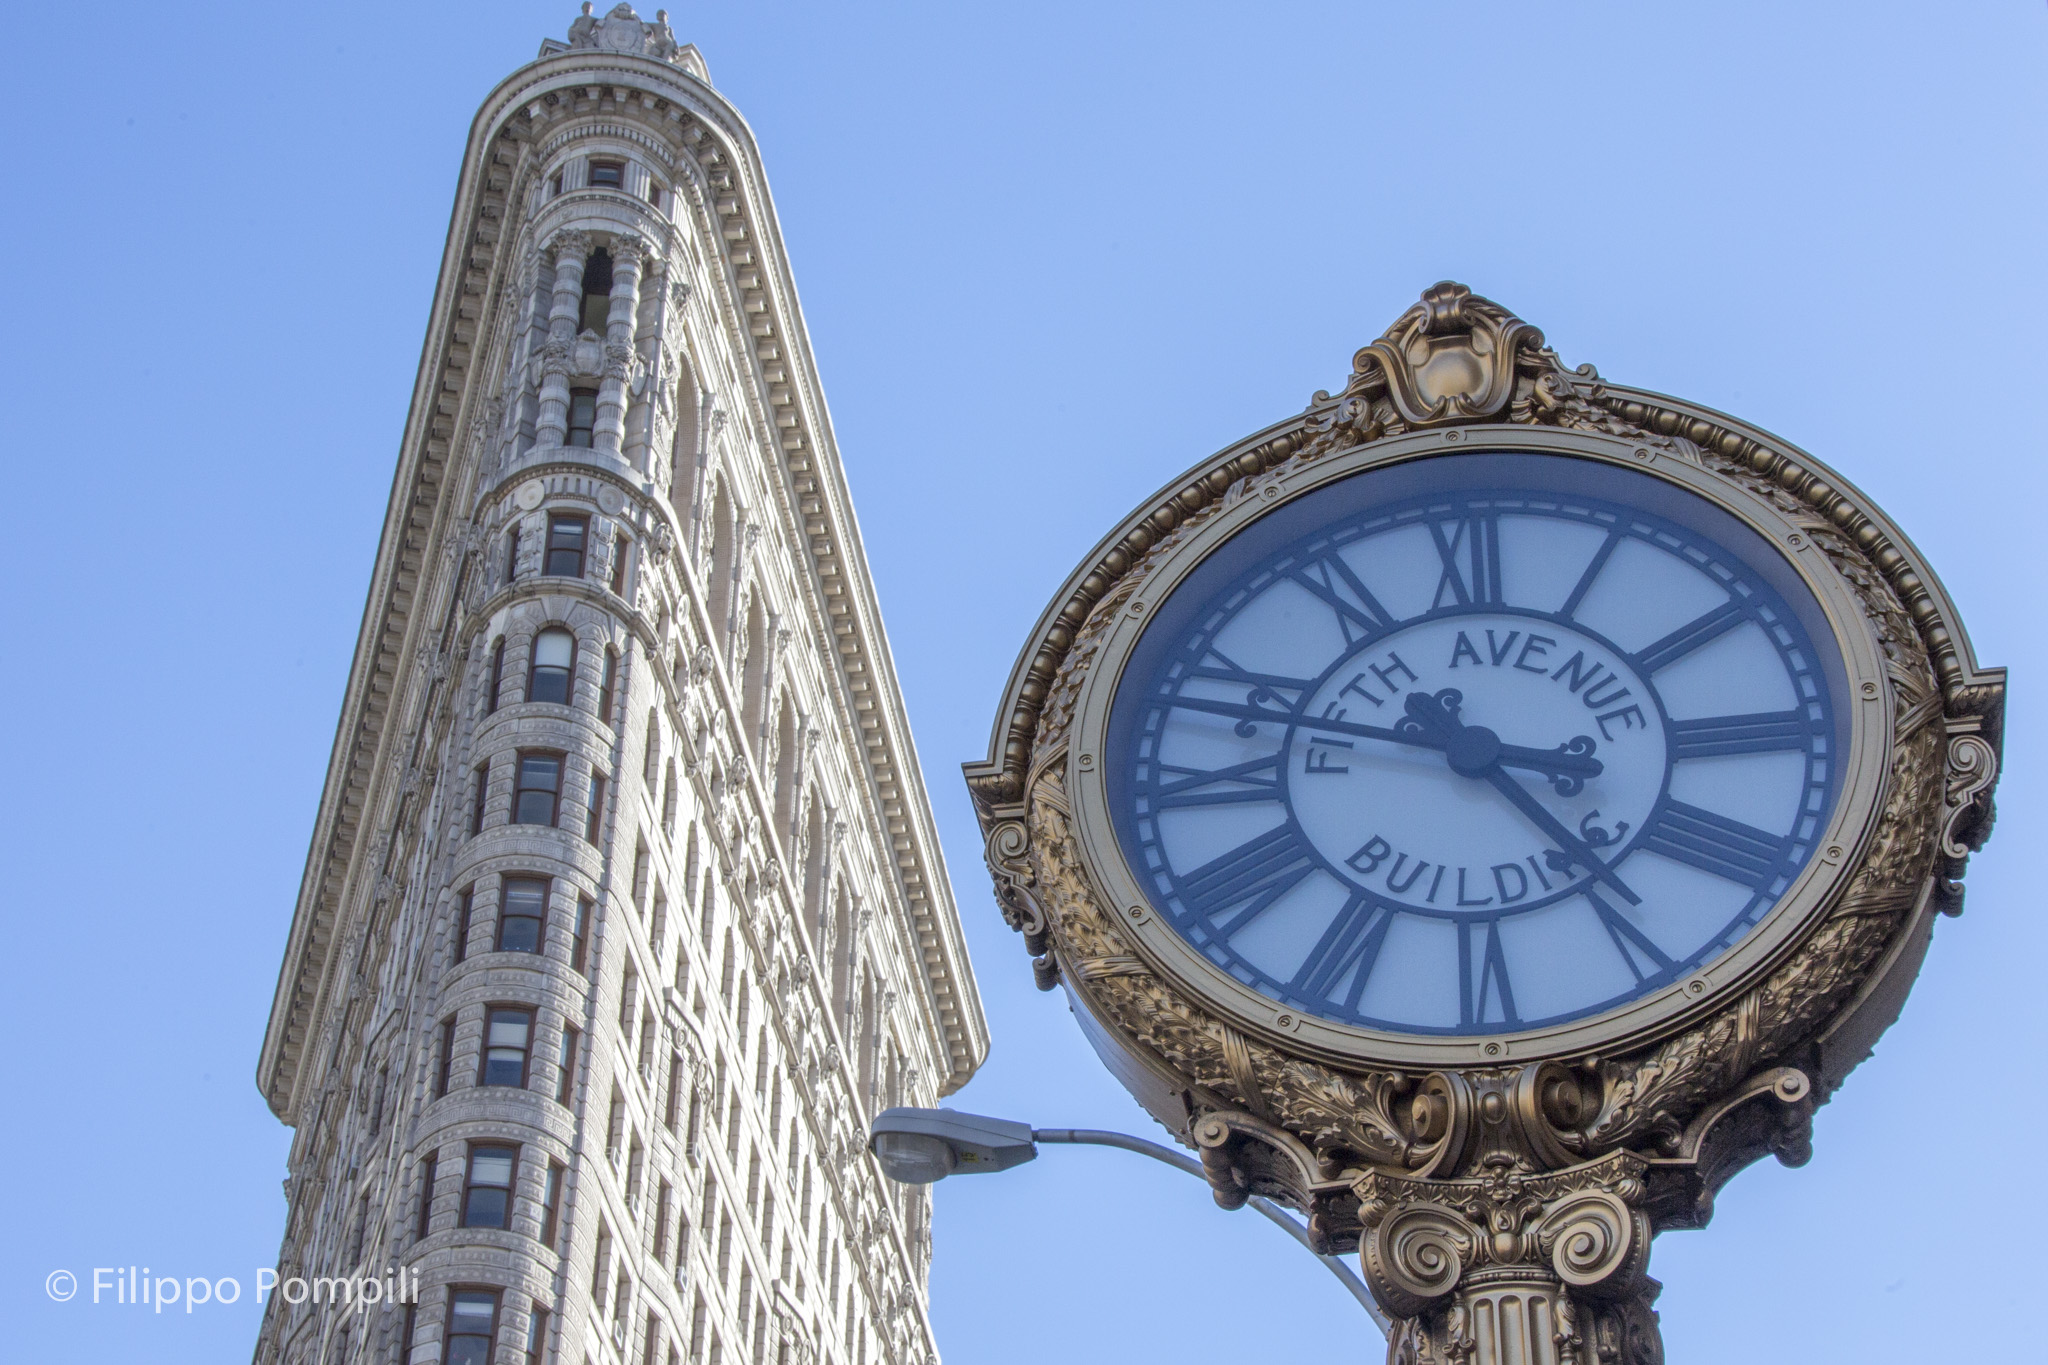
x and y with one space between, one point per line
1476 762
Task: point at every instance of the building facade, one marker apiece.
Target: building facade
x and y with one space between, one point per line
624 910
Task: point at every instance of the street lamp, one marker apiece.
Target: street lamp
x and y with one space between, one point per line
923 1146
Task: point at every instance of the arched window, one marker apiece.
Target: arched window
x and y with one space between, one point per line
554 658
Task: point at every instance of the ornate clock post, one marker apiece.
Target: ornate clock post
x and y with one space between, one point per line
1485 812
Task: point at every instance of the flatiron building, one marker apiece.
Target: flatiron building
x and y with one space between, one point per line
624 909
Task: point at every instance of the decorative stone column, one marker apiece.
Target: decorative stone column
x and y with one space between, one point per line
620 324
1513 1268
572 252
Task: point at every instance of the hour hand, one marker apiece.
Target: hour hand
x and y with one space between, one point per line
1567 766
1432 719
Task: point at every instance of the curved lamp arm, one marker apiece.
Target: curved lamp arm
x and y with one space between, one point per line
1158 1152
920 1146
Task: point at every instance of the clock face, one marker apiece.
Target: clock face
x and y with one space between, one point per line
1476 744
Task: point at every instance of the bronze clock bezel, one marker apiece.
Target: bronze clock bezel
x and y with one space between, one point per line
1859 800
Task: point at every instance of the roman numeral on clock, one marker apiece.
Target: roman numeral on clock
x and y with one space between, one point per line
1359 613
1701 630
1247 879
1764 732
1216 666
1469 549
1353 940
1256 780
1484 995
1714 843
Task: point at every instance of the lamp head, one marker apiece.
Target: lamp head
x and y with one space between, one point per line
920 1146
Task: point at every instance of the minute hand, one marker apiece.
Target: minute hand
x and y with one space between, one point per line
1552 763
1579 849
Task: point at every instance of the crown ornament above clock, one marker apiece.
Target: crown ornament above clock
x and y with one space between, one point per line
1487 810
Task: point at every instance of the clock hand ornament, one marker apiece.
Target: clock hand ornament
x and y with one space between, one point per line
1475 751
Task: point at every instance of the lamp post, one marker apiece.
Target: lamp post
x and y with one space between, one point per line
923 1146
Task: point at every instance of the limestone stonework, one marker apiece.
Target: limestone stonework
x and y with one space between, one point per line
624 910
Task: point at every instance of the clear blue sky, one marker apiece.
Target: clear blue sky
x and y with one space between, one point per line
1051 255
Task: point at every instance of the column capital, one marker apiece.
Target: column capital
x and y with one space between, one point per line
571 242
1512 1267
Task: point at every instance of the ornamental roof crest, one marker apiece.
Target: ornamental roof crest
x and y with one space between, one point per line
623 30
1451 358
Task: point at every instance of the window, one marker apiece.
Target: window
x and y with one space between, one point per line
566 538
472 1325
539 788
483 795
554 659
608 685
497 675
487 1192
579 944
653 194
639 874
651 764
447 1054
661 1211
522 912
555 184
597 291
618 583
607 175
594 826
566 1086
508 1037
551 1203
512 553
355 1241
601 1266
427 1192
462 924
582 418
536 1334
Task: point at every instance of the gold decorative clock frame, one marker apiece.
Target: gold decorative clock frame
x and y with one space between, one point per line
1502 1192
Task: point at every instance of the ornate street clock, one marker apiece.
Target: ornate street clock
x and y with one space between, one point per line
1485 812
